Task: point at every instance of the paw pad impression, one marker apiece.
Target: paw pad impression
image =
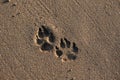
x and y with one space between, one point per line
45 38
67 50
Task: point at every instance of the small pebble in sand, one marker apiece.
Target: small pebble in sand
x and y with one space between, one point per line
69 70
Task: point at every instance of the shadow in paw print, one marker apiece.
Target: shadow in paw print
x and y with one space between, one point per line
62 44
52 38
46 46
69 49
75 48
6 1
45 38
41 33
68 44
46 31
71 56
39 41
59 53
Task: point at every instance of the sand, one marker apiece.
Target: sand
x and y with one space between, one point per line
60 40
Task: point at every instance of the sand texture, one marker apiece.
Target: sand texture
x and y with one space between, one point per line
59 39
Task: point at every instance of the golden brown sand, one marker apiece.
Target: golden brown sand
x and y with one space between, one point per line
60 40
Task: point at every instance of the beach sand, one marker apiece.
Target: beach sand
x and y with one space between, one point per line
60 40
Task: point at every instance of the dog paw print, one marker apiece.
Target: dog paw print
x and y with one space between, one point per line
67 50
45 38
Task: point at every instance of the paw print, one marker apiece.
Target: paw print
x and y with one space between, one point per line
45 38
66 51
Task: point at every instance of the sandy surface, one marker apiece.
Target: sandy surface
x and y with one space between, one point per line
93 25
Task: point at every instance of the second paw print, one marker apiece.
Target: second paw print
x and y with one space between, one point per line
67 50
